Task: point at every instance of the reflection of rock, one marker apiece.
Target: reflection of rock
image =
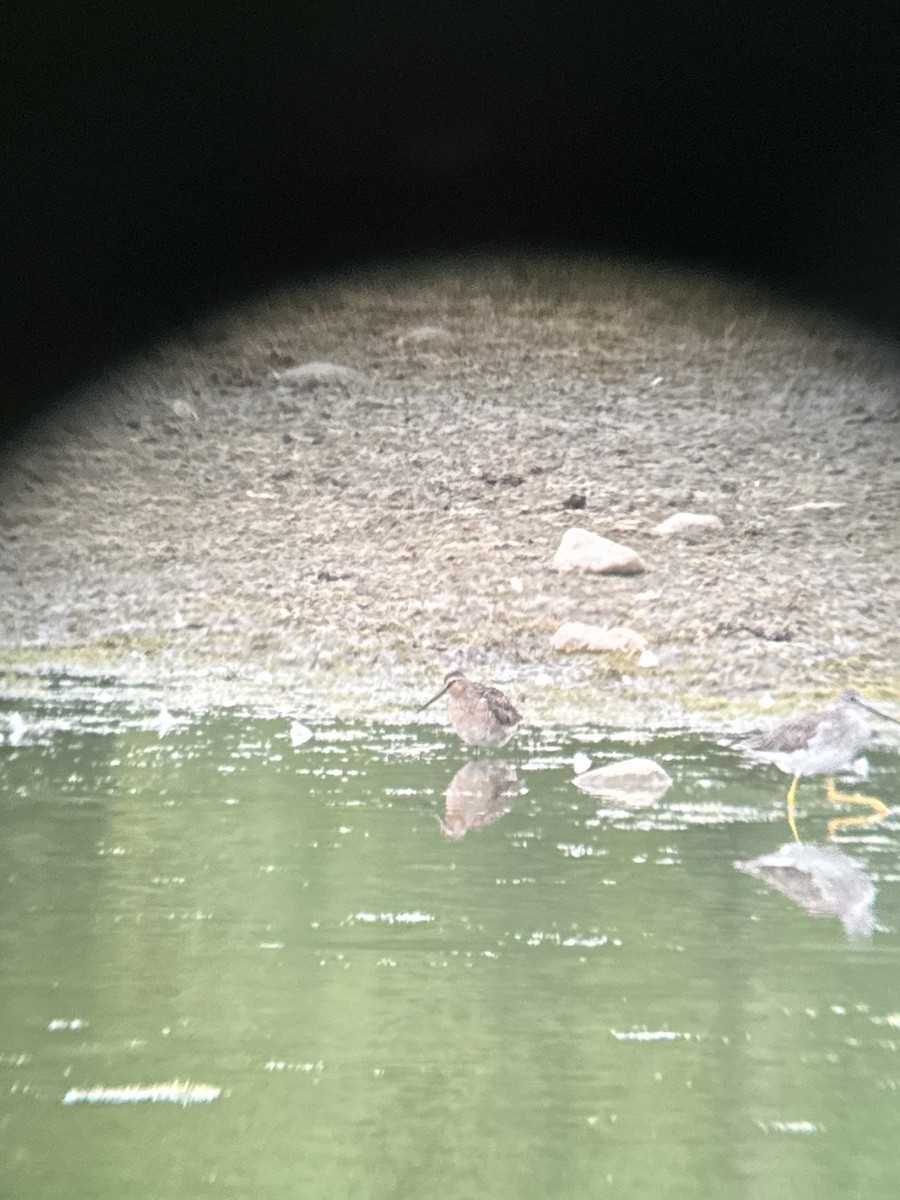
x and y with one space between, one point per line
821 879
634 781
479 794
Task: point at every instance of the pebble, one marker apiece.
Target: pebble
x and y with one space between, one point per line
816 506
576 635
424 333
185 411
686 522
17 728
311 375
163 722
582 550
299 733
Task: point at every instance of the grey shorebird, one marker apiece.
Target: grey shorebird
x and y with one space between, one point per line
480 715
820 743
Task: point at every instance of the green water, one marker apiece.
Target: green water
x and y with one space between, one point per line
571 1000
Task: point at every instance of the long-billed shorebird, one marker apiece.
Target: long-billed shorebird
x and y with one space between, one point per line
819 743
480 715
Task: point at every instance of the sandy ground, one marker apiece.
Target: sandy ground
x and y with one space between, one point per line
215 525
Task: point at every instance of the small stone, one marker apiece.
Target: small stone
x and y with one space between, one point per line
163 722
185 411
817 506
582 550
686 522
17 728
308 376
861 767
648 659
576 500
508 480
424 333
299 733
633 781
576 635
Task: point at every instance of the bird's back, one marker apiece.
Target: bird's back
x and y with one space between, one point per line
812 743
483 716
501 707
791 735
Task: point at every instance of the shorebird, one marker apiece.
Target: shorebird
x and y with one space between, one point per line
480 715
820 743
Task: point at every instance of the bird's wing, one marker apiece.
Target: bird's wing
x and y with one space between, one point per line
502 710
795 733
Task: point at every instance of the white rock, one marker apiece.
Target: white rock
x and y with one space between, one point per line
185 411
582 550
163 722
17 728
817 506
861 767
424 333
576 635
581 762
648 659
299 733
310 375
686 522
633 781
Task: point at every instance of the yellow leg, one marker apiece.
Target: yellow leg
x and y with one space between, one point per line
879 809
837 823
791 797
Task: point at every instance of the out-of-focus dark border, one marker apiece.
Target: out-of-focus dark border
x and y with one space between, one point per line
160 160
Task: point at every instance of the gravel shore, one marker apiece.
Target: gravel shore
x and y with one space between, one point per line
322 502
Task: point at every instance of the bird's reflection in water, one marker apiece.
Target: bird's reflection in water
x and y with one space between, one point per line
821 879
479 794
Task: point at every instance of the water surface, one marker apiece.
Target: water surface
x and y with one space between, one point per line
233 966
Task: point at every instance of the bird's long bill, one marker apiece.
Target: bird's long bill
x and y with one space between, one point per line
878 713
433 698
